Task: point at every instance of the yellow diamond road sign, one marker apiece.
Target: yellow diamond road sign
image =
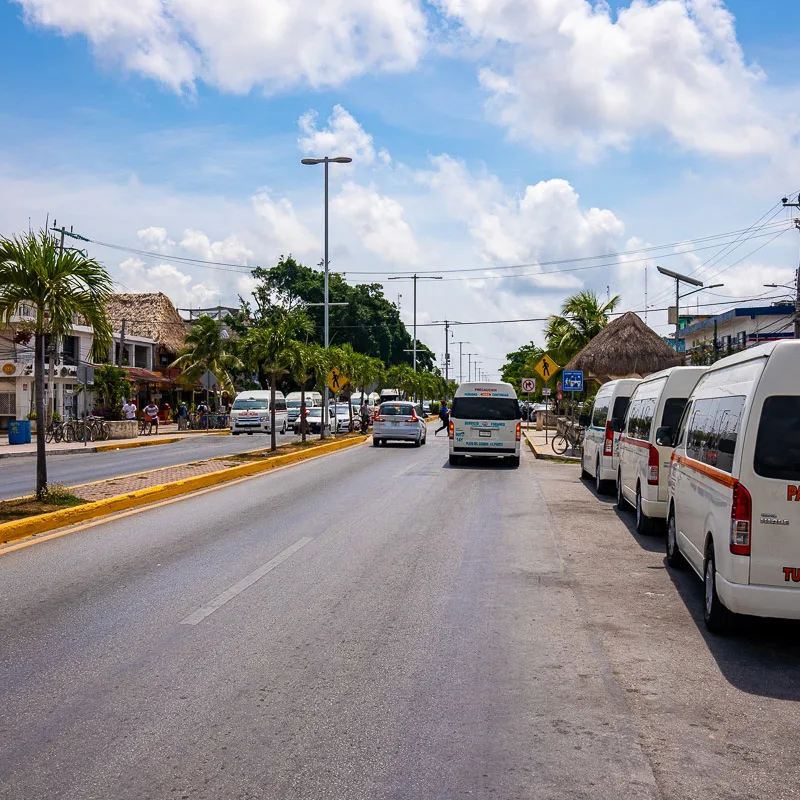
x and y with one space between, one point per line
337 381
547 368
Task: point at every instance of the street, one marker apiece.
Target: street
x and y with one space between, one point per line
378 624
18 475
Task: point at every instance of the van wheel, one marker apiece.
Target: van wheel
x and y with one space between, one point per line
717 617
674 556
454 460
644 525
283 429
622 503
584 474
375 442
600 485
514 461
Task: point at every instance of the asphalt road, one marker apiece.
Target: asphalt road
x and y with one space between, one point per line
377 624
18 475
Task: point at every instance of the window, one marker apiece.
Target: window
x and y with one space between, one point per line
280 405
394 410
641 417
620 407
687 412
241 403
600 412
714 430
497 408
673 411
631 421
778 443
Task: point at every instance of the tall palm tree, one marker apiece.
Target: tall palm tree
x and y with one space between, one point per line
365 371
60 285
582 317
207 350
401 376
307 362
344 359
272 348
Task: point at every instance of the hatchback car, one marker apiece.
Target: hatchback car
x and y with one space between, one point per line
399 422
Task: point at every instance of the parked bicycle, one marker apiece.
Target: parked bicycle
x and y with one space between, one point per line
54 432
572 439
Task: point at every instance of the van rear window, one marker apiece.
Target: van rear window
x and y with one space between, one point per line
778 443
499 408
673 411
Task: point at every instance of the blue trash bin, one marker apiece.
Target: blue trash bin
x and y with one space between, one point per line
19 431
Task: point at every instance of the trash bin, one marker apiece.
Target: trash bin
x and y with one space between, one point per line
19 431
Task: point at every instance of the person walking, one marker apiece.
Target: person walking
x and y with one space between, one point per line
129 410
364 416
183 416
444 416
151 415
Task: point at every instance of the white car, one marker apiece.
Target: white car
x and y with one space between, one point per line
400 421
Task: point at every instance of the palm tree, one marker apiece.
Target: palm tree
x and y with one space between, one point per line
60 285
307 362
582 317
403 377
207 350
365 371
272 348
344 359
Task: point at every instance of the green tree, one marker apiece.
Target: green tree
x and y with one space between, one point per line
582 317
272 348
60 285
364 372
111 384
207 350
307 363
520 364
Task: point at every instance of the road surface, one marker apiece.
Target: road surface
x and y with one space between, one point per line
378 624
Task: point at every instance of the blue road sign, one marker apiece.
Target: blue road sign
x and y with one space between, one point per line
572 380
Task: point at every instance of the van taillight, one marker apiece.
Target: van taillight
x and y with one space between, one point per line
741 520
451 431
519 431
652 466
608 442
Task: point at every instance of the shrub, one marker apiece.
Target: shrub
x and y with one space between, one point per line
435 407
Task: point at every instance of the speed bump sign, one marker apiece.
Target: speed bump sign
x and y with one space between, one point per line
547 368
337 381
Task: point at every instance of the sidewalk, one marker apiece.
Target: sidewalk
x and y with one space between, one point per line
170 434
541 445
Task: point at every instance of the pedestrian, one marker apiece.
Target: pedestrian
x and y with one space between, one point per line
129 410
151 416
183 416
364 416
444 416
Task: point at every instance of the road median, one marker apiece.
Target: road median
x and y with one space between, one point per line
43 523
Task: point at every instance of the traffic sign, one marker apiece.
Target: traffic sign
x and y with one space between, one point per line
573 380
208 381
528 385
546 392
547 368
337 381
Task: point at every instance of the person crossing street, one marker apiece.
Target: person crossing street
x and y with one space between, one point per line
444 416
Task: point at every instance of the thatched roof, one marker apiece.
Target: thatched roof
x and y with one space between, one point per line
149 315
625 348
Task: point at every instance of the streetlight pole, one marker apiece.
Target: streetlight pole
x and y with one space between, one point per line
311 162
787 204
678 279
461 360
416 278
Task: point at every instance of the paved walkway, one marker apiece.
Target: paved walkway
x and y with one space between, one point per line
543 445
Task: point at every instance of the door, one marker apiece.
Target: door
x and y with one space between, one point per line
593 440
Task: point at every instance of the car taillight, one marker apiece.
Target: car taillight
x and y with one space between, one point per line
652 466
451 431
741 519
608 442
519 431
414 418
377 419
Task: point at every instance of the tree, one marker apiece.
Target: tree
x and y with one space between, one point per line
582 317
111 384
520 364
272 348
207 350
60 285
343 358
306 363
365 371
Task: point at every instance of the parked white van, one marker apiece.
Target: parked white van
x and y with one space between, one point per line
250 413
293 400
600 442
485 421
656 403
734 485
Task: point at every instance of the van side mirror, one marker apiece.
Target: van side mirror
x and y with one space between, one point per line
584 420
617 425
664 436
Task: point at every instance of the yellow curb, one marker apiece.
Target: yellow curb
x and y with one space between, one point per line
124 445
19 529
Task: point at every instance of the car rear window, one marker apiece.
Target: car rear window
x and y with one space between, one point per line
778 443
395 410
243 403
498 408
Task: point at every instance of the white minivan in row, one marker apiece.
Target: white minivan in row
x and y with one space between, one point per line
601 442
251 413
656 403
734 485
485 421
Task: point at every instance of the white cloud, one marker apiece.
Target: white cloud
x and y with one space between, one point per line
155 238
237 45
231 250
285 228
379 222
575 77
136 276
344 136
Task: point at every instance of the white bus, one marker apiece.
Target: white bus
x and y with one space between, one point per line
485 421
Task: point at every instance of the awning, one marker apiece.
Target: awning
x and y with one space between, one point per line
140 375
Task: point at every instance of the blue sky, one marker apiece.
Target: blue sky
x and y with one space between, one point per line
482 137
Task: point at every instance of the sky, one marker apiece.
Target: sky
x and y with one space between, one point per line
522 150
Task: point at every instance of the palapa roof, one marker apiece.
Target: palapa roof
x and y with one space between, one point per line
625 348
150 315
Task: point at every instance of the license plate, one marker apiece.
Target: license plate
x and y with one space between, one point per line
485 434
395 422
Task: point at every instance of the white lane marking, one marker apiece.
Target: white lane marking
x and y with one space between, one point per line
212 605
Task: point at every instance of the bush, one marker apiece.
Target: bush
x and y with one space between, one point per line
435 407
59 495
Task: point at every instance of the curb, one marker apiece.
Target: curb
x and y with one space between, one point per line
548 457
19 529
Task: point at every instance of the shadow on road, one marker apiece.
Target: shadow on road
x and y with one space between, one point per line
760 656
478 462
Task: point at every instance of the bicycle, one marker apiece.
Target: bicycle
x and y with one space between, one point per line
572 438
54 432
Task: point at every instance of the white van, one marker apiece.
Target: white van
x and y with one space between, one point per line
734 485
485 421
656 403
390 395
250 413
293 400
601 442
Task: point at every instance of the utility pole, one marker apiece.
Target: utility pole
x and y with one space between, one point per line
679 278
121 357
461 360
469 366
51 369
415 278
447 323
787 204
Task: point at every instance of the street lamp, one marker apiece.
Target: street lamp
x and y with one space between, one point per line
461 361
678 279
312 162
416 278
